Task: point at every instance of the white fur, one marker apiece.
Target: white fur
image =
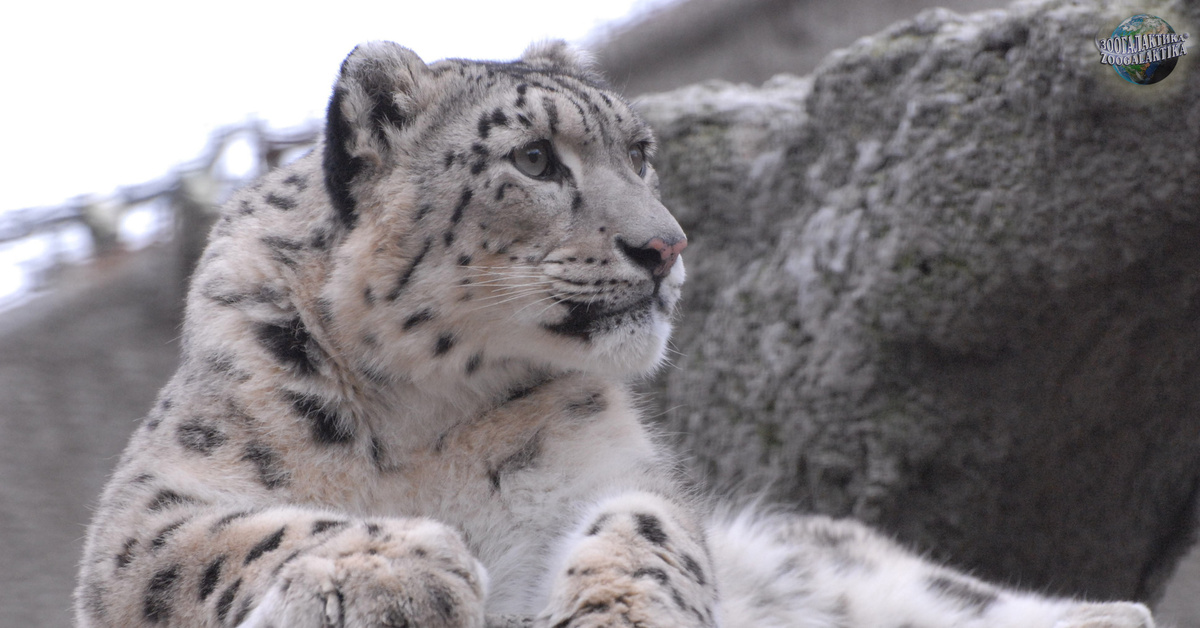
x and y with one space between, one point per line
412 405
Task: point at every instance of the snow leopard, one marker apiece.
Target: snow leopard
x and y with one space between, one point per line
404 397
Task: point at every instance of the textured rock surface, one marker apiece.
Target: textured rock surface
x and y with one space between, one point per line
679 43
950 284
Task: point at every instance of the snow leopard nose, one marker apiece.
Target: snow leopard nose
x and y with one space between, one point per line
656 256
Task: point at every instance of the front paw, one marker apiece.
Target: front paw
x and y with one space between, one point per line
396 573
633 566
1107 615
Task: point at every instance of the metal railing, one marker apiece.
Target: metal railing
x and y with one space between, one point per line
37 243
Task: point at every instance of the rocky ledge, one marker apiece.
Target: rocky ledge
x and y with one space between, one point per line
950 284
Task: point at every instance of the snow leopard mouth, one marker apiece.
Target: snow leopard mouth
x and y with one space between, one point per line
585 319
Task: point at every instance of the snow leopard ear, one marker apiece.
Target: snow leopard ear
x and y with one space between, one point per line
375 97
556 55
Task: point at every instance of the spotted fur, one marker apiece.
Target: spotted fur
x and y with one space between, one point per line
405 376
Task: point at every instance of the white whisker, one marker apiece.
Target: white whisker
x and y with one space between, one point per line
500 299
546 309
511 283
554 301
507 290
514 297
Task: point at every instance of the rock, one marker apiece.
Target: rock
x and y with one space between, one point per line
950 284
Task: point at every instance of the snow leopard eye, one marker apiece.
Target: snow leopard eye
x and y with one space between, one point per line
637 158
534 159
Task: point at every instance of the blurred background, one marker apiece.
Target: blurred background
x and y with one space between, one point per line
126 123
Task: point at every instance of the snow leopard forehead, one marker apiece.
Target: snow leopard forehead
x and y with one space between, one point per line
388 103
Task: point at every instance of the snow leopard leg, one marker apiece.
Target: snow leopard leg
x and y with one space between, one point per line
207 565
636 560
786 571
391 572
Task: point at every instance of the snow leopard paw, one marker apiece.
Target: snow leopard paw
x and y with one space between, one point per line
637 563
390 573
1107 615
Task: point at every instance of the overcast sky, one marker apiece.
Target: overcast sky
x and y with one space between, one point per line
102 94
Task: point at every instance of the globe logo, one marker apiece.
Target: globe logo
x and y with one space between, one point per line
1143 49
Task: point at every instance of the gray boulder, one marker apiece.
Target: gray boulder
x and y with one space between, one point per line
950 284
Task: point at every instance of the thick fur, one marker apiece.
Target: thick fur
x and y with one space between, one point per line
403 396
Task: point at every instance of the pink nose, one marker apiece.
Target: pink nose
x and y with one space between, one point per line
668 253
656 256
